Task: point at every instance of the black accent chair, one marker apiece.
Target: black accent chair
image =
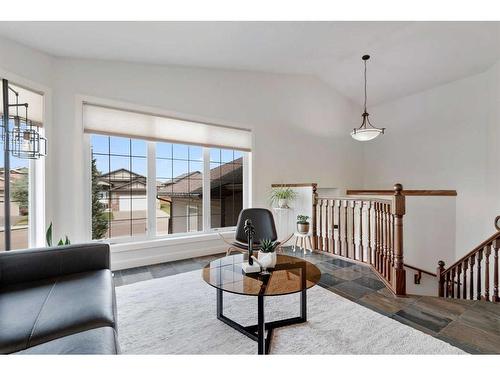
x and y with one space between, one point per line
58 300
263 222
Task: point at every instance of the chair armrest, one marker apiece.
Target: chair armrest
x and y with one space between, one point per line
18 266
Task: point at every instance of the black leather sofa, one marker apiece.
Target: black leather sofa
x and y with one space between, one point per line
58 300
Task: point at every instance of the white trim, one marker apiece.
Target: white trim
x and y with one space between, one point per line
189 238
87 186
247 180
151 190
206 189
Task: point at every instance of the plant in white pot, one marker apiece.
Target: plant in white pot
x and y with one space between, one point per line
267 254
303 224
281 196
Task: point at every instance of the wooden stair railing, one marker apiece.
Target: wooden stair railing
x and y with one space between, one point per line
470 276
365 230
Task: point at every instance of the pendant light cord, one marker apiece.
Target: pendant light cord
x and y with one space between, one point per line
365 86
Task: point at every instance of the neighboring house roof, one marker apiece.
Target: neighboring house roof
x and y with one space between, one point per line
115 175
187 184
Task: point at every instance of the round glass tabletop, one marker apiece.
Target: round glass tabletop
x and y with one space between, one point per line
291 275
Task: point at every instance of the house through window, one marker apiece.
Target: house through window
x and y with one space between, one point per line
119 177
120 185
179 188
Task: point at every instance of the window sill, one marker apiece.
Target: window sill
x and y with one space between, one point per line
170 241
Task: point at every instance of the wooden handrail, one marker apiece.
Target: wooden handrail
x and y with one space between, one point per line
381 200
422 193
481 246
420 270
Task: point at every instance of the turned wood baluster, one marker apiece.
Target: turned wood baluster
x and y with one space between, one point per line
447 284
369 244
392 238
459 283
384 242
487 272
453 283
383 246
471 279
464 289
319 235
439 273
339 226
377 248
479 259
380 240
353 206
332 215
346 204
496 297
388 241
324 213
361 251
314 218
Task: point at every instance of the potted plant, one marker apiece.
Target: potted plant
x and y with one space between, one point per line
303 224
281 196
267 256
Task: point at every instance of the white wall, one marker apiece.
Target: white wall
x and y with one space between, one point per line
444 138
300 125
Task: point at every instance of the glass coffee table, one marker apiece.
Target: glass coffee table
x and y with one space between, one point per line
291 275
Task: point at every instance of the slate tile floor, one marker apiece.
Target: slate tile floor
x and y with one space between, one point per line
473 326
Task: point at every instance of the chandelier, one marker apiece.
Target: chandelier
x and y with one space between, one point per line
20 135
366 132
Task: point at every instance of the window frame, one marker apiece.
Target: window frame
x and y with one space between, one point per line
151 232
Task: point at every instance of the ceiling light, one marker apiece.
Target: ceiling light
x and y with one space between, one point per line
366 132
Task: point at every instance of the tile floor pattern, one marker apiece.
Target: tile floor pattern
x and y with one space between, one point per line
473 326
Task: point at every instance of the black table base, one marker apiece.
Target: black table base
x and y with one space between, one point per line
257 331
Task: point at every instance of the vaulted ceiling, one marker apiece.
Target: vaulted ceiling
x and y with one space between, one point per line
407 57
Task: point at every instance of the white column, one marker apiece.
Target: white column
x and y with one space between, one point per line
151 190
206 189
247 179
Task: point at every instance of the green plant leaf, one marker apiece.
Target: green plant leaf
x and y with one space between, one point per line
67 242
60 243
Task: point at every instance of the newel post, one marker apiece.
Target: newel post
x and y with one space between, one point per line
398 210
314 217
440 276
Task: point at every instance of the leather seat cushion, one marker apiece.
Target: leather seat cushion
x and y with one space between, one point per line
95 341
37 312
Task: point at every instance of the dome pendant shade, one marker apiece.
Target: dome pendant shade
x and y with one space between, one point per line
366 132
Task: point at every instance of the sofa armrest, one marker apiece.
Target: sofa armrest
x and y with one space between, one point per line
20 266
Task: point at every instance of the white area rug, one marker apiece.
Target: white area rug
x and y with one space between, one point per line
177 315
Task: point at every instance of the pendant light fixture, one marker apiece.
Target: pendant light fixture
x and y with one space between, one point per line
366 132
24 141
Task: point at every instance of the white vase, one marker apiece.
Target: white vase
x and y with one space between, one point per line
267 260
283 203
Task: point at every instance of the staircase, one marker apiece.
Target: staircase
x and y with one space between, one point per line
475 275
369 230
